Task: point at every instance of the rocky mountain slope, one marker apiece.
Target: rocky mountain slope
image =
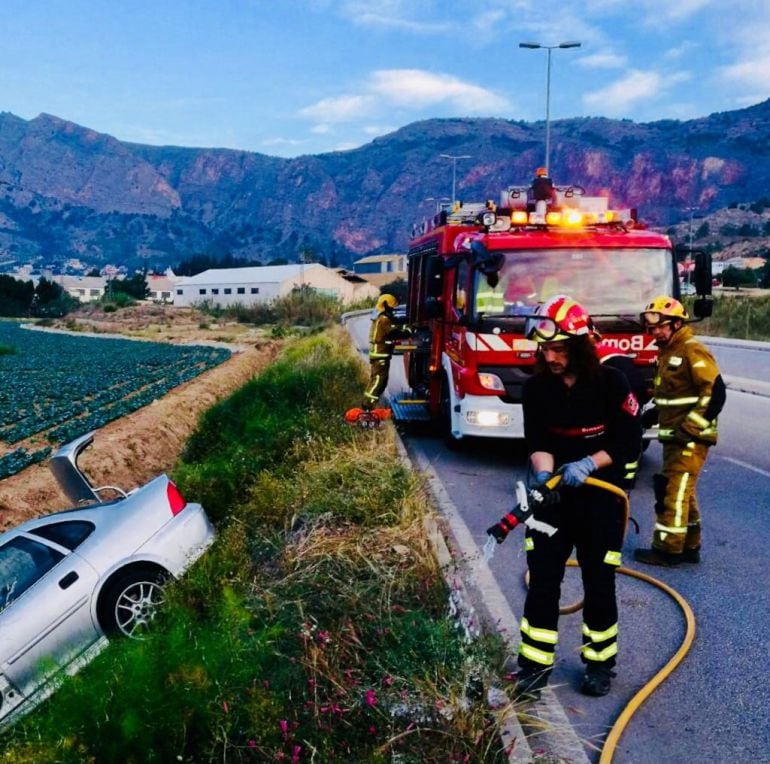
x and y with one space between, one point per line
67 191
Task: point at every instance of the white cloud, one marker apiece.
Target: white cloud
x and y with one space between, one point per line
416 88
619 98
321 129
752 72
375 130
417 16
282 142
343 108
412 90
606 60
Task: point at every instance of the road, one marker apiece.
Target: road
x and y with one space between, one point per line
714 707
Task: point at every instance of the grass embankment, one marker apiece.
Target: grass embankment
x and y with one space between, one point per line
740 316
315 629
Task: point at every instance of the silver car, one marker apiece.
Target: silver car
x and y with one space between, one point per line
71 580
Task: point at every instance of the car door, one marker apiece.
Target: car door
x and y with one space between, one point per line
45 616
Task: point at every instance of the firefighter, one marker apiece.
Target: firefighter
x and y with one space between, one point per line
580 418
383 332
689 394
542 190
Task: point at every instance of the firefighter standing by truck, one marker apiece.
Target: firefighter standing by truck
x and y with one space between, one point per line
383 332
689 394
581 419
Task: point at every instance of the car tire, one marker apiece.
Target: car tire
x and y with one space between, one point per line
130 601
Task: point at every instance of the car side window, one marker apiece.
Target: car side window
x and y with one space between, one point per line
68 533
22 563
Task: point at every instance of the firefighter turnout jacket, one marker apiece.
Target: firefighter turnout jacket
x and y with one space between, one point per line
689 390
382 334
591 415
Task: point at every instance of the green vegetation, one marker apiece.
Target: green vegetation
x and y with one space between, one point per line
21 298
305 307
63 386
741 316
7 350
316 627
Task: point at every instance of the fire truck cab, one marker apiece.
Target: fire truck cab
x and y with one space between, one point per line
477 271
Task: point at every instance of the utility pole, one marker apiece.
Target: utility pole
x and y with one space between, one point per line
454 159
549 48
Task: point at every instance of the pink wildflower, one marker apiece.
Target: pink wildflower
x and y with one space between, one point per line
284 725
252 743
388 681
226 707
295 754
370 698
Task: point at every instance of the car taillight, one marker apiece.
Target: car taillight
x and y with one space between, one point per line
175 499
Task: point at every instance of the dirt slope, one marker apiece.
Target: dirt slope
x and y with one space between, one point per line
135 448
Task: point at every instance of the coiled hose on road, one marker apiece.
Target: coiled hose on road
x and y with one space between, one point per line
617 729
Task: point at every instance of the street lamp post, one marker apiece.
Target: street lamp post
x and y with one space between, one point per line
692 211
549 48
454 158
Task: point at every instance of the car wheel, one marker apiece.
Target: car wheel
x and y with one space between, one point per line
131 601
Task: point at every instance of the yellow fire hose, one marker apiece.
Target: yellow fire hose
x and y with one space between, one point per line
617 729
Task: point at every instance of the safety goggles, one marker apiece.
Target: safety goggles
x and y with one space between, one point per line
543 329
651 319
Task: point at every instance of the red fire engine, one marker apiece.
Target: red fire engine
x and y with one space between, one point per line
476 271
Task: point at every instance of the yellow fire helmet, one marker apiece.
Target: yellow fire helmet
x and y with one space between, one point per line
663 309
386 302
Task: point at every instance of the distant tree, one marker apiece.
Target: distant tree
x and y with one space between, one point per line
278 261
203 262
51 301
15 296
94 272
135 287
703 230
398 288
760 205
747 230
738 277
732 206
764 275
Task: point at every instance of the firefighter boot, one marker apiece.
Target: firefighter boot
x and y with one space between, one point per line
691 555
597 680
529 682
657 557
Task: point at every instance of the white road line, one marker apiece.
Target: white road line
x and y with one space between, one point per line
745 465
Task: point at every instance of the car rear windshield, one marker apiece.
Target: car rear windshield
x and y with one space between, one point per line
68 533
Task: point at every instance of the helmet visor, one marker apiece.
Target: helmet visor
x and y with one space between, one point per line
542 329
653 318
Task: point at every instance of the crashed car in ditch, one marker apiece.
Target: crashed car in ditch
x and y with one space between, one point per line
71 580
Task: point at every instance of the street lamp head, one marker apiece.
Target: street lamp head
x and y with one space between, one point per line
530 45
569 44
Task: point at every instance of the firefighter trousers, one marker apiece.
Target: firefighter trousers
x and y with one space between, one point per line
590 520
378 381
677 521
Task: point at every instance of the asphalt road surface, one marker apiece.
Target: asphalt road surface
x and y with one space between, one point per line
714 708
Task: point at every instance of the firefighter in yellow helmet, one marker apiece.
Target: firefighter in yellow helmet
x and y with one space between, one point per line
383 332
689 393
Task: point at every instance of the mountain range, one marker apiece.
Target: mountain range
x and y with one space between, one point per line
69 192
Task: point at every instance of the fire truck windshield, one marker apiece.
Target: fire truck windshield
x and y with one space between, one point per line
606 281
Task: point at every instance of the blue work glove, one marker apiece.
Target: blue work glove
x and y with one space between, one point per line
538 479
574 474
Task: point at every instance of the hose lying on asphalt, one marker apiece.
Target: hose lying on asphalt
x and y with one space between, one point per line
613 738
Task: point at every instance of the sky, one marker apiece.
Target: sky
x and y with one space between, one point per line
293 77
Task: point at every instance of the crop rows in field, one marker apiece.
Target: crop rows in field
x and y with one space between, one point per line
60 386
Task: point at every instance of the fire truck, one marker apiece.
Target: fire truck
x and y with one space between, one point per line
477 271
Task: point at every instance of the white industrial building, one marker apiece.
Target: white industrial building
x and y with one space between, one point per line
263 284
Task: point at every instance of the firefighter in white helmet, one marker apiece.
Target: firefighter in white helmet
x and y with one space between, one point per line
383 332
689 393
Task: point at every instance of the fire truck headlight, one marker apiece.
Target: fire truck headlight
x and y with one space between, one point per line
488 219
487 418
491 382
